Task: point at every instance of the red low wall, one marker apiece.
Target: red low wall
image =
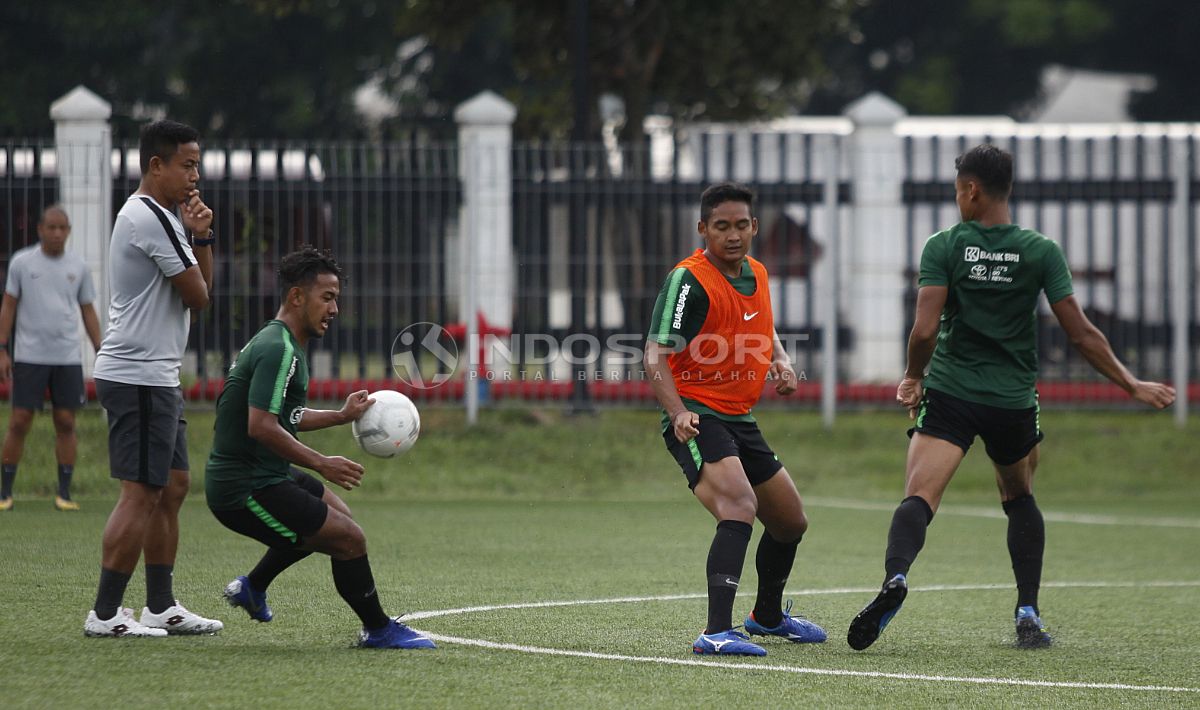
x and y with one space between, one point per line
638 391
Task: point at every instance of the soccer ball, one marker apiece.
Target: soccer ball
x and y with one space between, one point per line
389 427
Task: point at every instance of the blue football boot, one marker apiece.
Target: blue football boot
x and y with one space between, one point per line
796 630
394 635
727 643
1030 631
871 621
240 593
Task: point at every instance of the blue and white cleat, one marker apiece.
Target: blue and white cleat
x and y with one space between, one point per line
239 593
1030 631
727 643
872 620
394 635
796 630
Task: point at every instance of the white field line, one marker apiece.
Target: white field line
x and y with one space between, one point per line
480 643
432 614
809 671
980 512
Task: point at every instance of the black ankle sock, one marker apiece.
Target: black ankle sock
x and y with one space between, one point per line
1026 544
356 584
8 474
65 471
271 564
773 561
726 556
907 535
160 595
110 593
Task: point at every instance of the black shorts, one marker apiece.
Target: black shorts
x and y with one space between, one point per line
280 515
147 434
1008 434
720 439
30 382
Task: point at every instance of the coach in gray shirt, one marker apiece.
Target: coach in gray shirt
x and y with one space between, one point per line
47 290
156 278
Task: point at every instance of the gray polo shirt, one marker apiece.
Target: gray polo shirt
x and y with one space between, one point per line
147 320
49 291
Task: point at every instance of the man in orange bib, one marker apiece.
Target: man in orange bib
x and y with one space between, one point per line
712 347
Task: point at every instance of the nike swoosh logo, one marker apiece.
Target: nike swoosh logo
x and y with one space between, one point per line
731 582
748 316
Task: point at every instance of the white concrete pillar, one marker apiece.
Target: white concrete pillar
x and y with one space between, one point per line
876 253
485 167
486 250
83 142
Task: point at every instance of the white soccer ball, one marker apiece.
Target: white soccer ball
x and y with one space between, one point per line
389 427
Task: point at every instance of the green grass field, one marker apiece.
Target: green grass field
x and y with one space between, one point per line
535 507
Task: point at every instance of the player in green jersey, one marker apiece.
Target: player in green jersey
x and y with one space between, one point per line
250 483
975 330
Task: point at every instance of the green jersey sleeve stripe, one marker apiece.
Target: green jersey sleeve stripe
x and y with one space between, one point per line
664 325
281 377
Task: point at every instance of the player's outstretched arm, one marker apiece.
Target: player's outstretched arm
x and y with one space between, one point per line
8 315
263 427
921 343
781 366
356 405
683 421
1088 339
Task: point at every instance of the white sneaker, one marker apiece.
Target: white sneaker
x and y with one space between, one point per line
177 620
122 624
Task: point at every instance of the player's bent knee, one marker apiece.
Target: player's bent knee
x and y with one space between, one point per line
743 508
332 500
20 426
340 537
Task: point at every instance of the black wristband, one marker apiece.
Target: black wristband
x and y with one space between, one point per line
4 347
207 241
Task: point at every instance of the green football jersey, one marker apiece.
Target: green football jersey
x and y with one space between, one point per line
682 321
270 373
987 342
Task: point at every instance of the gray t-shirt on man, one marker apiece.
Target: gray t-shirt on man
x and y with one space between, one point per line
49 291
147 319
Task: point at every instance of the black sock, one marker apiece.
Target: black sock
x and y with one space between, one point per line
774 563
8 474
356 584
160 595
906 536
110 593
271 564
65 470
725 559
1026 543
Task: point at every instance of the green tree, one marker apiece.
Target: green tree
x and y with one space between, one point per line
699 60
237 68
986 56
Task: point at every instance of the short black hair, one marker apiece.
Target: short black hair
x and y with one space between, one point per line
990 165
162 139
53 207
301 268
724 192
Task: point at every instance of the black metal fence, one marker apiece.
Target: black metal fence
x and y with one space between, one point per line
597 228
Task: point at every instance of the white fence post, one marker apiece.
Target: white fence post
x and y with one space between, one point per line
1181 287
829 321
83 142
485 168
876 249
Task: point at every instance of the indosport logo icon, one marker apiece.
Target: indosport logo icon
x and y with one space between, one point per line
424 355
